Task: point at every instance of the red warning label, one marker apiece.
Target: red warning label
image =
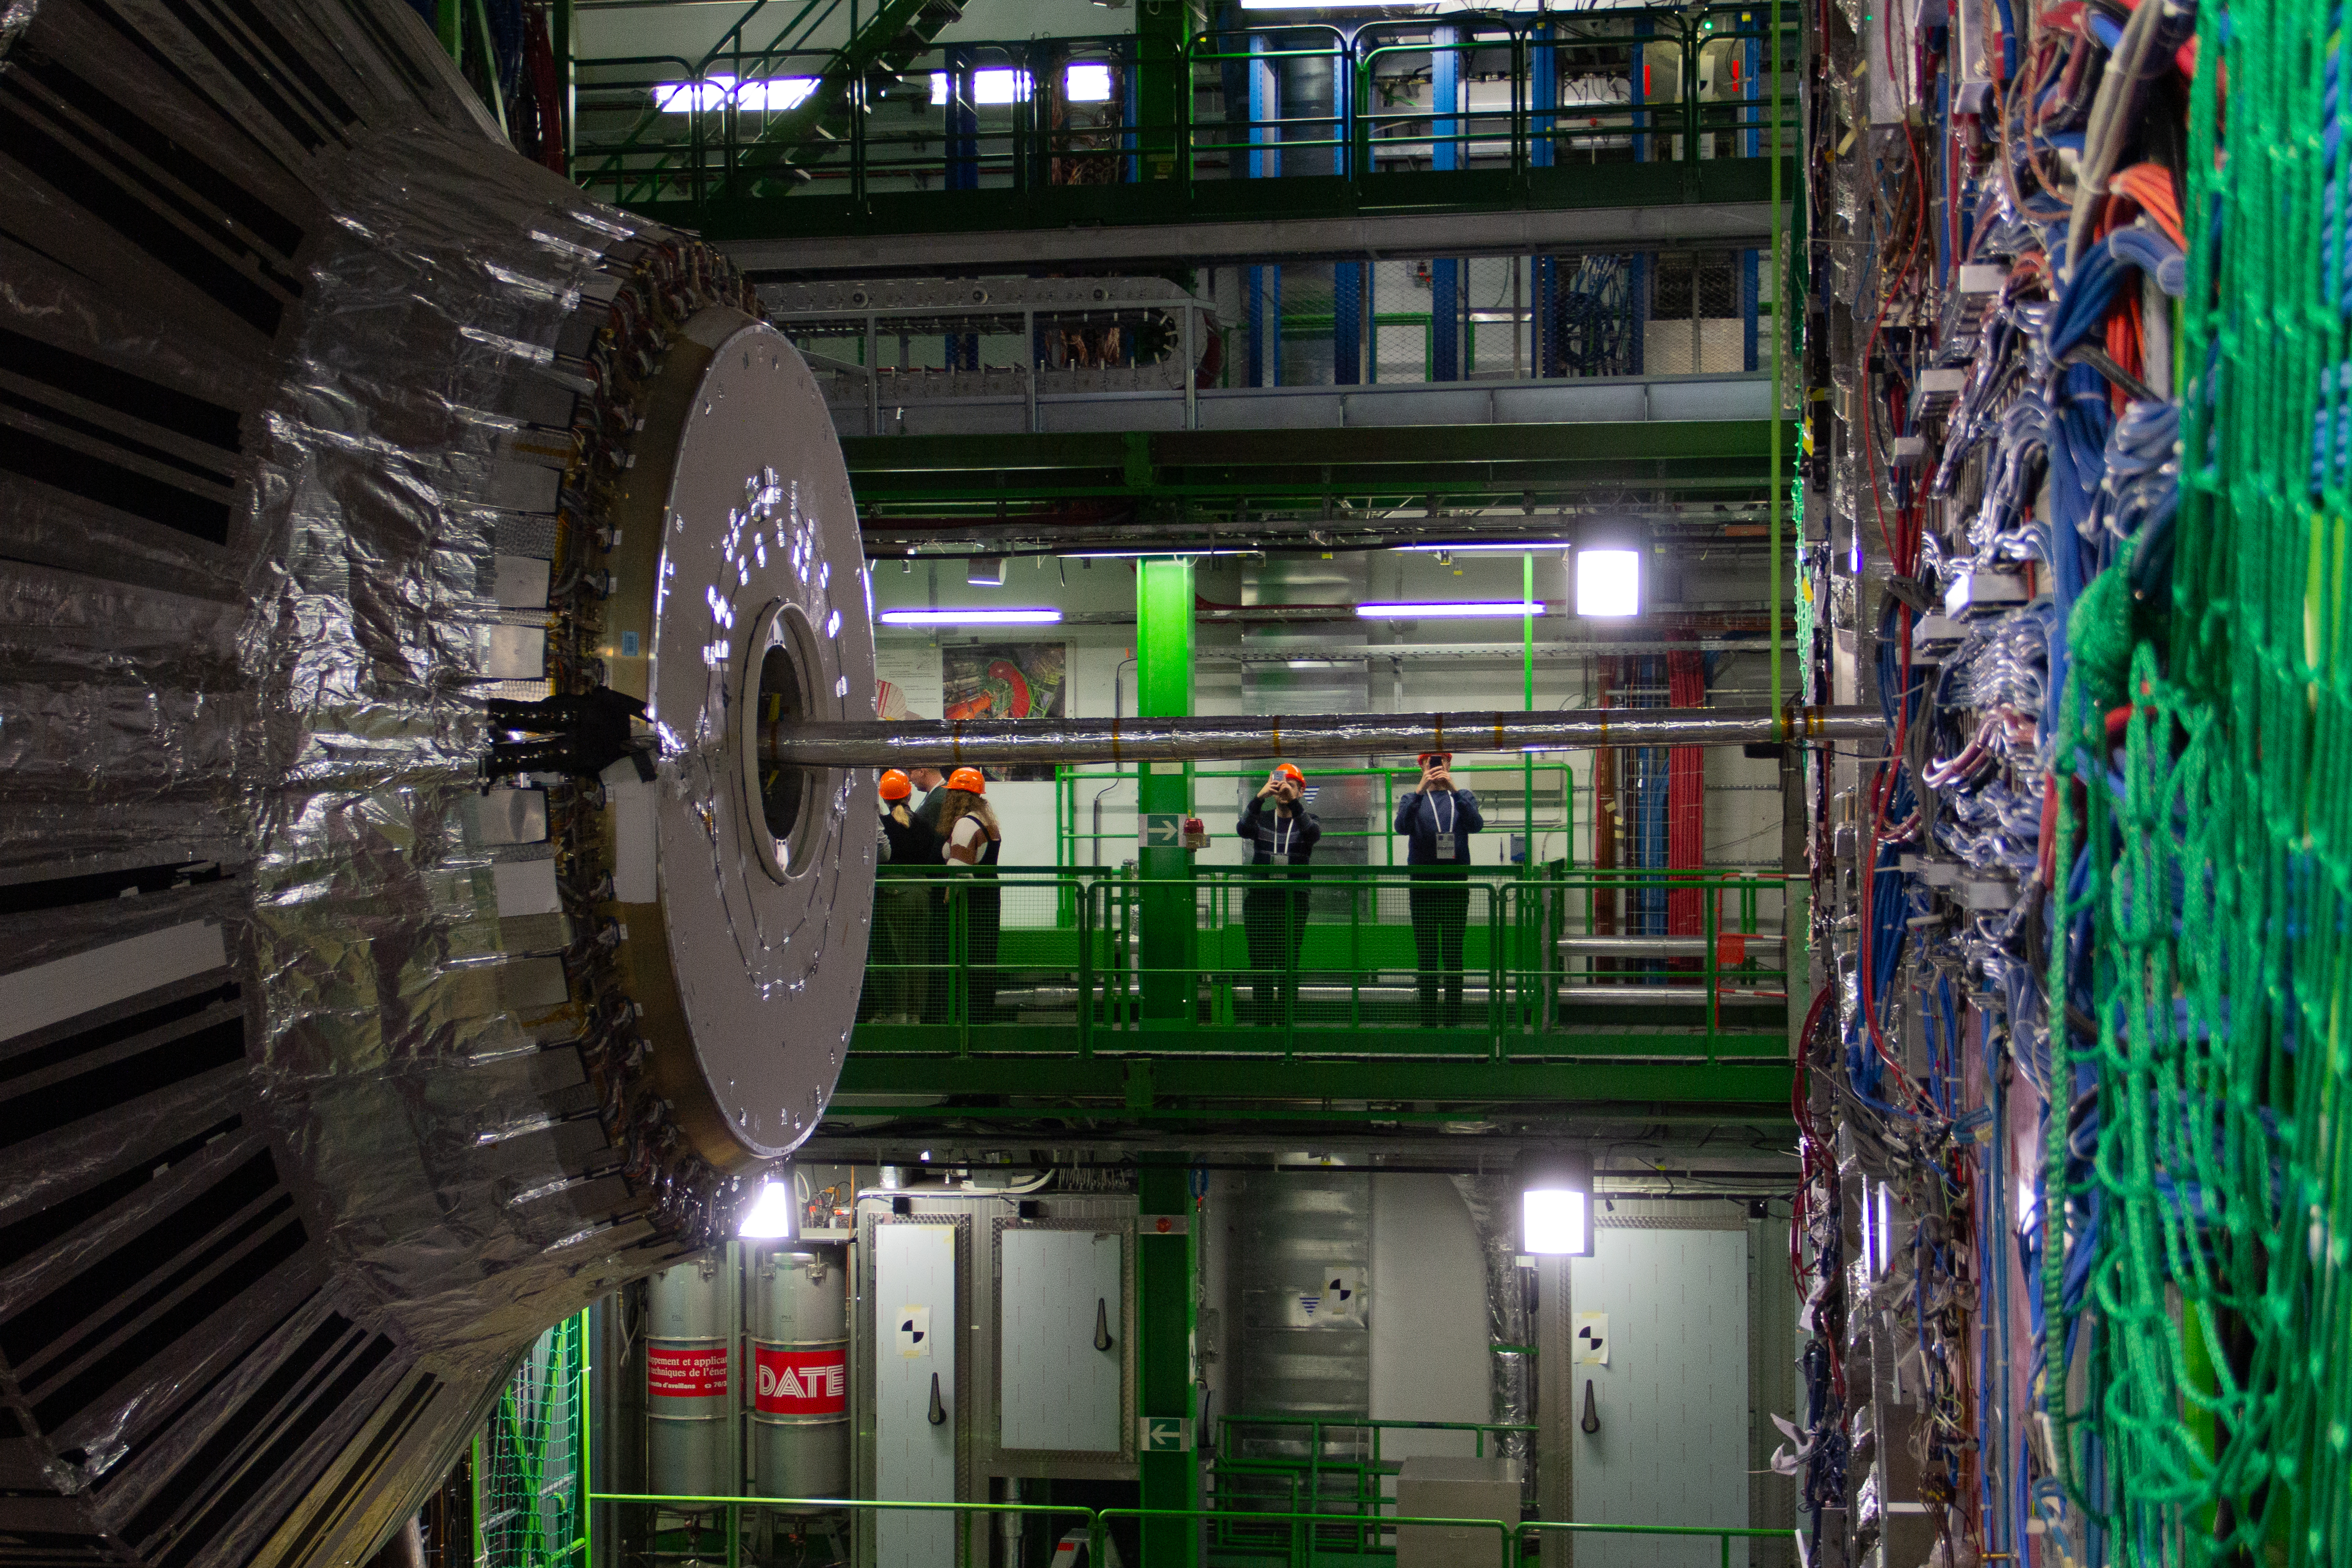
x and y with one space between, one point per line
686 1373
801 1382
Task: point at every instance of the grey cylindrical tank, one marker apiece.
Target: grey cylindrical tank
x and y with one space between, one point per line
799 1390
688 1381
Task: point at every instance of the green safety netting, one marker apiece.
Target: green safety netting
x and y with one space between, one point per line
2207 1413
530 1463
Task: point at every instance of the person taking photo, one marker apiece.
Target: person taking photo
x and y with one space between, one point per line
1280 834
1437 819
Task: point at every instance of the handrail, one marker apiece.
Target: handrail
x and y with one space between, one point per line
1505 1545
1725 1536
1512 1536
733 1506
1023 146
1508 985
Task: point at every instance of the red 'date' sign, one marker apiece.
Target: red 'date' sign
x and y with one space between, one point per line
801 1382
678 1373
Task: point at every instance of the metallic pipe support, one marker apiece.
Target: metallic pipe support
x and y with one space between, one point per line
907 743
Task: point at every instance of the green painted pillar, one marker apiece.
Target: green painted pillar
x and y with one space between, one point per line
1169 919
1163 88
1163 1286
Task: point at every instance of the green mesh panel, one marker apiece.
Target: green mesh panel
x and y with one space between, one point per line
530 1463
2213 1411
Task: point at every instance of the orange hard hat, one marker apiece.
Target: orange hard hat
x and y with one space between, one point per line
968 778
1426 757
1290 770
897 786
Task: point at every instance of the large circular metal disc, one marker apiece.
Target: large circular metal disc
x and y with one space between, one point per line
763 612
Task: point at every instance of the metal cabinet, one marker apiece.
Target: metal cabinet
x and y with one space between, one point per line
916 1397
1061 1339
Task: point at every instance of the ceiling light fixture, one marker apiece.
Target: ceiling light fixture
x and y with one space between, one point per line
1539 547
1607 583
1148 554
1487 609
969 617
1556 1202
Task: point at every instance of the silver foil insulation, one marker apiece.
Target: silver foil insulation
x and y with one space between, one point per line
317 1101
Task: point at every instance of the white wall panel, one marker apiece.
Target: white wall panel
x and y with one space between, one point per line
914 1353
1672 1402
1058 1389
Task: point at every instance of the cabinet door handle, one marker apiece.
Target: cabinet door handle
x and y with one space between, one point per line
1592 1422
938 1417
1102 1323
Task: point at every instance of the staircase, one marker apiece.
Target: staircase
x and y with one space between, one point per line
881 51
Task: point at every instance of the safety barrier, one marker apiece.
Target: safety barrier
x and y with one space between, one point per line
1513 1541
1308 961
1516 93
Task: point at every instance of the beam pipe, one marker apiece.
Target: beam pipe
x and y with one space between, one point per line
907 743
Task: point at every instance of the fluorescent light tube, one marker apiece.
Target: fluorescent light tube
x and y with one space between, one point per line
1463 611
1482 546
969 617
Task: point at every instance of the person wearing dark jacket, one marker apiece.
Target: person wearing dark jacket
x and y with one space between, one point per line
906 914
971 839
1437 820
934 785
1279 833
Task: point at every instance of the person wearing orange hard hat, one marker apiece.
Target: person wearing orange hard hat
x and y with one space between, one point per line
1279 833
1437 819
971 840
905 909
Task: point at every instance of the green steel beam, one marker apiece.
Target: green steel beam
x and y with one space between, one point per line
1163 1312
817 213
1163 88
1269 465
1187 1087
1163 689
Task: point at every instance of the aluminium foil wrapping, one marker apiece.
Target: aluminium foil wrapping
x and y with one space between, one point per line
1492 1202
292 715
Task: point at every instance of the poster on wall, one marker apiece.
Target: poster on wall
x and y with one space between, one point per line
1005 680
909 680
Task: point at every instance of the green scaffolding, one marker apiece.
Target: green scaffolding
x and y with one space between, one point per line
531 1461
2205 1415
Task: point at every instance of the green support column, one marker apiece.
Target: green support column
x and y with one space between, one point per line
1163 663
1163 88
1163 1286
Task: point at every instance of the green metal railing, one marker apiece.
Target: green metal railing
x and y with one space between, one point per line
1516 1542
716 139
1326 962
1331 1468
1076 790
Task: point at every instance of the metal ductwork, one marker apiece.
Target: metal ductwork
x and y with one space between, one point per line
327 1077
